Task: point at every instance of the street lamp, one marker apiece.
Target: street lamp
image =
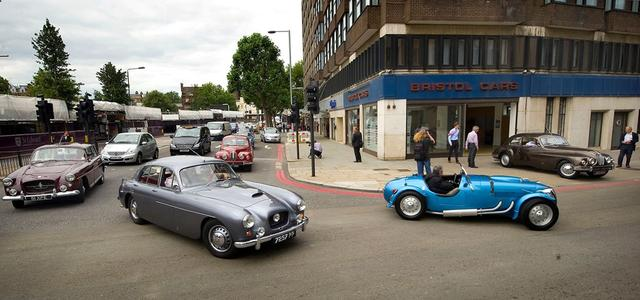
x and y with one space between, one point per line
290 85
128 84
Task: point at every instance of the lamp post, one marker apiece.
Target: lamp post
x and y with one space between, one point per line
290 84
128 84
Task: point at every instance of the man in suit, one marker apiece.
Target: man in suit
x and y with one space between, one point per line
356 142
628 141
437 184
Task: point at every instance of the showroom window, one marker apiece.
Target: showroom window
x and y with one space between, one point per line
353 120
595 129
548 116
562 115
370 130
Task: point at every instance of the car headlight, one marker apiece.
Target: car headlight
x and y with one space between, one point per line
301 205
13 192
197 145
241 155
172 146
70 177
592 161
63 188
131 151
248 221
7 181
584 162
224 156
608 159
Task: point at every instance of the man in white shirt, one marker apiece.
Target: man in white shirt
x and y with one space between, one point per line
472 145
628 141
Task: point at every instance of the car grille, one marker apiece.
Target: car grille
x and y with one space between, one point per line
38 187
600 159
116 153
183 146
284 219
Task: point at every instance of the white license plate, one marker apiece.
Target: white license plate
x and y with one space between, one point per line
598 172
115 157
284 237
184 150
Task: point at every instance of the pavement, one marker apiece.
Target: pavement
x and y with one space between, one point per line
337 169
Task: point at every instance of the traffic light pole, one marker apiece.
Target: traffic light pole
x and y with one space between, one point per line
313 152
297 141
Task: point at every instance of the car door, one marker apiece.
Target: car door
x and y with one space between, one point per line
479 192
95 163
147 146
175 207
515 145
526 151
146 193
206 139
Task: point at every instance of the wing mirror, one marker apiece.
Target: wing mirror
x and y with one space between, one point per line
171 136
175 188
143 143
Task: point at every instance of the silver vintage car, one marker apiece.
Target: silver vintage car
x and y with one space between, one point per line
130 147
203 198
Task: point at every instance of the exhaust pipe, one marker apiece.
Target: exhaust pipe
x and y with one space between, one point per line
476 212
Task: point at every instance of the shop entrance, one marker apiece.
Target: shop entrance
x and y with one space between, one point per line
484 117
619 124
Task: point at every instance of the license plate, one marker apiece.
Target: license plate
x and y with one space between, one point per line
284 237
598 172
184 150
115 157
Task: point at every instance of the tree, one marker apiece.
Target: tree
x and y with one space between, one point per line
159 100
54 78
297 79
208 95
174 97
259 75
5 87
114 84
97 95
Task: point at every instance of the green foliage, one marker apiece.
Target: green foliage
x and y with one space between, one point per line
114 84
53 79
159 100
97 95
208 95
259 75
4 86
297 79
174 97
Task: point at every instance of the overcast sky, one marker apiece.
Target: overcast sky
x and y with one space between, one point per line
188 41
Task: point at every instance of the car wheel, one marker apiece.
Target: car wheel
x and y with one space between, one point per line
505 160
539 215
597 175
18 204
133 212
83 191
218 239
139 159
410 206
101 180
156 154
566 170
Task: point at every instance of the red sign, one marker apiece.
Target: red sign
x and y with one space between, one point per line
462 86
358 95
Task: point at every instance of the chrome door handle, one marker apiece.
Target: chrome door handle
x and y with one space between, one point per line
154 191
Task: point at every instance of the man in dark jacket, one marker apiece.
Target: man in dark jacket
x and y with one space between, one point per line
628 141
356 142
437 184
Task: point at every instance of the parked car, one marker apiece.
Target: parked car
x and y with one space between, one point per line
533 203
234 127
236 150
249 134
203 198
219 130
552 152
55 171
270 134
190 139
130 147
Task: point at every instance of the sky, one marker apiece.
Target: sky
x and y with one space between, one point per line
187 41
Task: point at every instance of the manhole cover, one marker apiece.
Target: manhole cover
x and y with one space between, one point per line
404 170
381 169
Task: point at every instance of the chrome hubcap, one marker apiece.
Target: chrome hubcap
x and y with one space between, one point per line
133 209
567 169
505 159
219 238
410 205
540 214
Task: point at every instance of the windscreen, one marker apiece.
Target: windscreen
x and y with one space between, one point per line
205 174
126 139
58 154
188 132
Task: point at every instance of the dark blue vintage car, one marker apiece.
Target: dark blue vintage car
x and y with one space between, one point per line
530 202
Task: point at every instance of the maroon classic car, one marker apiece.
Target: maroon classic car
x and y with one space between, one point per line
55 171
552 152
236 150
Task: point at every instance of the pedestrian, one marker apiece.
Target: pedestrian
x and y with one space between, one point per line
356 142
628 140
421 147
472 145
66 137
452 138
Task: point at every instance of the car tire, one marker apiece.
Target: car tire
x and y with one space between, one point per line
83 192
505 160
101 180
565 170
156 154
539 214
133 211
139 159
218 239
17 204
410 206
597 176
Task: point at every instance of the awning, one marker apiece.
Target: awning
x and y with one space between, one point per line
188 114
20 108
170 117
142 113
107 106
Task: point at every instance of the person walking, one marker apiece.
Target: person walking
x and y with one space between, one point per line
472 146
356 142
628 140
452 138
421 147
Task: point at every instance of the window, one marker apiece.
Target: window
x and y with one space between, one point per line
490 59
446 52
461 47
517 141
370 130
431 52
619 4
635 5
505 50
595 129
555 45
150 175
402 58
544 51
167 178
416 54
587 2
475 52
562 114
574 54
548 116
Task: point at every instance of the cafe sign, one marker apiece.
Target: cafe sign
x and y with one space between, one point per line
461 86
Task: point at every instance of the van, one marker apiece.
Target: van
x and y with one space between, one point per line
219 130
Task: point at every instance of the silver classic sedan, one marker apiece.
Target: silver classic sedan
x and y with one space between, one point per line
203 198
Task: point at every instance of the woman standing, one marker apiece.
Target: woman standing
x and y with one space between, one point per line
422 144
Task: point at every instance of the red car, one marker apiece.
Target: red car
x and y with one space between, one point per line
55 171
236 151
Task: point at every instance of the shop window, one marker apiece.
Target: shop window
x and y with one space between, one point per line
548 116
475 52
431 52
562 115
446 52
461 47
595 129
353 120
370 130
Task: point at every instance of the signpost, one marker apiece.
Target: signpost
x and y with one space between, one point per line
313 107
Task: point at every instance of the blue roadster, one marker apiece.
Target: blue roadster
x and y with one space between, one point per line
533 203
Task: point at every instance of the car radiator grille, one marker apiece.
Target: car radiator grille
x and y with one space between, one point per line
284 219
116 153
600 159
183 146
38 187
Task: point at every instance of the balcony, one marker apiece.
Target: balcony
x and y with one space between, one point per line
624 22
462 12
568 16
364 28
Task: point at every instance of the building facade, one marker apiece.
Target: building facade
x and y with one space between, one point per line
186 95
509 66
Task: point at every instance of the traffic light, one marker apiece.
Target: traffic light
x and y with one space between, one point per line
79 112
44 111
295 113
312 97
90 113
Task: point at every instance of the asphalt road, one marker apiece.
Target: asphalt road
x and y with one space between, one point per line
353 248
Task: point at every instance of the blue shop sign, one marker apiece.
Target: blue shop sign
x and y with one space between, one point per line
454 86
333 104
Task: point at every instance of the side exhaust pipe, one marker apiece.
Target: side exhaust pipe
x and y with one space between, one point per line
476 212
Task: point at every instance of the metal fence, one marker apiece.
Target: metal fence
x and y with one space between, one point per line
11 161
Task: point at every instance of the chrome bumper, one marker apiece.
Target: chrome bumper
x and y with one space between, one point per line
264 239
41 196
582 168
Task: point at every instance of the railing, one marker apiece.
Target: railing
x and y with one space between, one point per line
11 161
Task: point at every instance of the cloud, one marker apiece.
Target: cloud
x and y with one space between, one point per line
177 41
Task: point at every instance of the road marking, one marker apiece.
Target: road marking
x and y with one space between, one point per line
595 186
